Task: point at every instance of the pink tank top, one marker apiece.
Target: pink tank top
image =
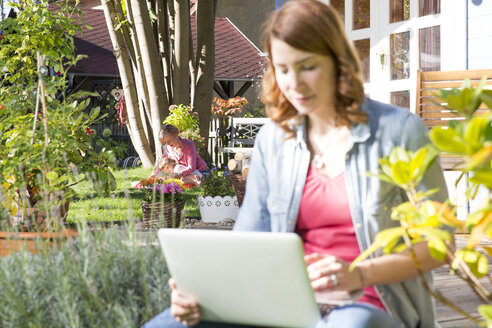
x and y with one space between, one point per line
325 223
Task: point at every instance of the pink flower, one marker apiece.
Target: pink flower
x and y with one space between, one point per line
169 188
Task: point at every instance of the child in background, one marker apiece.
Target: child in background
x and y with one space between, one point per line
170 168
165 168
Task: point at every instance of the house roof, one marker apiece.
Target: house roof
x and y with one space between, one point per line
96 44
236 57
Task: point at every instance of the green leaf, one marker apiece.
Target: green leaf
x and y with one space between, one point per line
457 259
95 113
448 140
474 131
382 239
418 169
437 249
365 254
111 182
476 261
482 177
399 154
486 97
480 158
389 235
483 266
485 311
434 233
401 172
52 175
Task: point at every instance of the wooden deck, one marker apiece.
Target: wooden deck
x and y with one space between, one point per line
458 291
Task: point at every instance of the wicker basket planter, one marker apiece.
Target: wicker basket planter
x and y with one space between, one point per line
216 209
162 215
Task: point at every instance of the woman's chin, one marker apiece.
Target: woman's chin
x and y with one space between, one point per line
305 110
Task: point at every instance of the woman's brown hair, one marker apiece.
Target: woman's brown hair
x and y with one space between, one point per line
312 26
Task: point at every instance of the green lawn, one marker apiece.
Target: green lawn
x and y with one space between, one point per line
123 203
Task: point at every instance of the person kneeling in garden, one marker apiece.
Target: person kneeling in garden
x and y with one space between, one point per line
189 166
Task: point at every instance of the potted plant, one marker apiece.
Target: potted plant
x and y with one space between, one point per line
218 200
46 140
164 204
423 220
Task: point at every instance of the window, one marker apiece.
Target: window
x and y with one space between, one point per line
363 48
399 10
399 55
430 49
429 7
339 5
361 14
400 98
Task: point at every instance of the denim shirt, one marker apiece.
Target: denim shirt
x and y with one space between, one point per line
278 173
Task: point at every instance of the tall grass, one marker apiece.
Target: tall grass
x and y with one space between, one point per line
114 277
123 204
106 278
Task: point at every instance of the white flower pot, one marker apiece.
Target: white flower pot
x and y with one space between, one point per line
216 209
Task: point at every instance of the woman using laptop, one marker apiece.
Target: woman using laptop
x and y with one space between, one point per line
308 174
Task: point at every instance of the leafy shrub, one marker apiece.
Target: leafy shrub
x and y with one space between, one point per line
182 117
105 279
186 120
46 140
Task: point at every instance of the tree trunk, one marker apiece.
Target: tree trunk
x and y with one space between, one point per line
141 83
162 59
192 67
134 124
205 63
152 68
181 53
164 48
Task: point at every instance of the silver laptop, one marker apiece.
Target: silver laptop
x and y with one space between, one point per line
254 278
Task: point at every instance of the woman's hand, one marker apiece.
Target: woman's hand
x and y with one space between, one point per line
184 309
329 272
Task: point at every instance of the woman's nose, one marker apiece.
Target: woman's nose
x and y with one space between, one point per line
296 82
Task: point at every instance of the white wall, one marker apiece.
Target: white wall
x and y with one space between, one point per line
479 34
453 35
